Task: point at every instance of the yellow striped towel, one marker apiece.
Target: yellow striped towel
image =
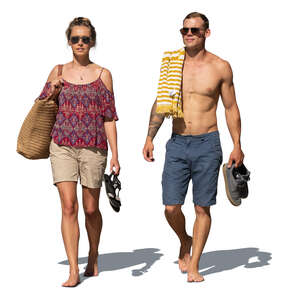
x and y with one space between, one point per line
169 96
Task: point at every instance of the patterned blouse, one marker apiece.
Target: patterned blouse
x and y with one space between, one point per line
82 109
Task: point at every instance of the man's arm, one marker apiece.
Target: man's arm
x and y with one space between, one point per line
232 113
155 123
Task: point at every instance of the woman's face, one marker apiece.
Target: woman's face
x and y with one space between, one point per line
79 38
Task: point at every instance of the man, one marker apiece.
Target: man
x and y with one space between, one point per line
194 150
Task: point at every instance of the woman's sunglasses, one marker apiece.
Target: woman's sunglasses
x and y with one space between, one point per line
194 30
85 39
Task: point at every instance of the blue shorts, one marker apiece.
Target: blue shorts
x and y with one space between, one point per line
192 156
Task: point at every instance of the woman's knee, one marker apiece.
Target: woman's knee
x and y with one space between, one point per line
69 208
68 197
91 210
91 201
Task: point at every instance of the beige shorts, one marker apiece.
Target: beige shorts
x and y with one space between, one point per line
69 163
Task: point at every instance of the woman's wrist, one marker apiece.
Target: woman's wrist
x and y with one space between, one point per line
114 156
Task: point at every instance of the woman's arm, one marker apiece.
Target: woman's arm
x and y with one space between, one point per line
110 126
111 133
52 85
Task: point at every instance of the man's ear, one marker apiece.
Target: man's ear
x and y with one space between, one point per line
207 32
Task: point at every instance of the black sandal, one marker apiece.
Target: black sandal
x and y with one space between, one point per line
113 187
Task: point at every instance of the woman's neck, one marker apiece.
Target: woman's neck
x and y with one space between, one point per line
81 61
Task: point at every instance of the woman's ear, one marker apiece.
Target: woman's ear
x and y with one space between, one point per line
92 43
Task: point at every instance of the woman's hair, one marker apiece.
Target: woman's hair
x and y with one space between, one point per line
80 21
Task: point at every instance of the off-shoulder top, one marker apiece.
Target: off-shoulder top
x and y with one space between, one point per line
81 114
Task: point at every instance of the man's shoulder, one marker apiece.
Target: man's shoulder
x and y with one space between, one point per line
218 62
221 66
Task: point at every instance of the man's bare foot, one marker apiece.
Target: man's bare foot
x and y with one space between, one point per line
184 255
92 266
194 276
73 280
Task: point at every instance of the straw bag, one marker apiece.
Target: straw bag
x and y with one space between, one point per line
34 137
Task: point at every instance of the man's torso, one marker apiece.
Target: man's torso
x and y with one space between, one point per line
200 93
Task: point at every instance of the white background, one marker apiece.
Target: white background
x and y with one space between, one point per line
131 38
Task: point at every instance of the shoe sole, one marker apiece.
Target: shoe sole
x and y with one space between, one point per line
227 187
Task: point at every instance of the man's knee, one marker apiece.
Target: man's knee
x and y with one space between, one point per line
202 211
171 210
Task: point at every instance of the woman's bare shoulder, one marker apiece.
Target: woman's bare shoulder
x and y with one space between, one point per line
53 73
107 79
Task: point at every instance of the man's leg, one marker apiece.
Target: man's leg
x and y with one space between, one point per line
175 180
200 233
176 220
206 161
70 228
93 222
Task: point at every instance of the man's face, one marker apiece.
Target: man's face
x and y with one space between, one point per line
197 35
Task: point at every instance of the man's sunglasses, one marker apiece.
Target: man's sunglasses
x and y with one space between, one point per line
85 39
194 30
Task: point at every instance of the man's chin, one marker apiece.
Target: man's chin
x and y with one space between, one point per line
190 46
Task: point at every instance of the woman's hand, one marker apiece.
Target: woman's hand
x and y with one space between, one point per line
55 86
114 164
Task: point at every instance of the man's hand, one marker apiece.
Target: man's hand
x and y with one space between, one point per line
148 150
237 156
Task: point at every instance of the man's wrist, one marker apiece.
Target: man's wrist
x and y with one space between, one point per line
237 145
149 138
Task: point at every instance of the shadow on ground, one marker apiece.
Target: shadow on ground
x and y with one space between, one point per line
222 260
121 260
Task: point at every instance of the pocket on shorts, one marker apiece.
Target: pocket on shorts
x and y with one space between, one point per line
215 144
176 141
52 147
168 143
99 151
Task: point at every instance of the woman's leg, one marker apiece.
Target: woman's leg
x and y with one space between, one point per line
70 227
93 225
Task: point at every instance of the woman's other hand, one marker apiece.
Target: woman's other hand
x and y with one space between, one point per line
114 166
55 86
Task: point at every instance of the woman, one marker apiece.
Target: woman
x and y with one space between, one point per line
84 123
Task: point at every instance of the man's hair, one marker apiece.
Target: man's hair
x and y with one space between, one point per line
196 15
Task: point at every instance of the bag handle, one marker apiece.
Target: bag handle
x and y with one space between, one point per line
59 71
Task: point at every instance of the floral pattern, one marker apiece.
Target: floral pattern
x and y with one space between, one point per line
81 114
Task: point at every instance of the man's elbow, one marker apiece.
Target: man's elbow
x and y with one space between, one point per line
233 108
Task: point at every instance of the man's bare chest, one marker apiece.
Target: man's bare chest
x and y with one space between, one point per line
202 80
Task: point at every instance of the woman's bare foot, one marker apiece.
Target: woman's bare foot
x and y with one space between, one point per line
73 279
184 255
194 276
92 266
